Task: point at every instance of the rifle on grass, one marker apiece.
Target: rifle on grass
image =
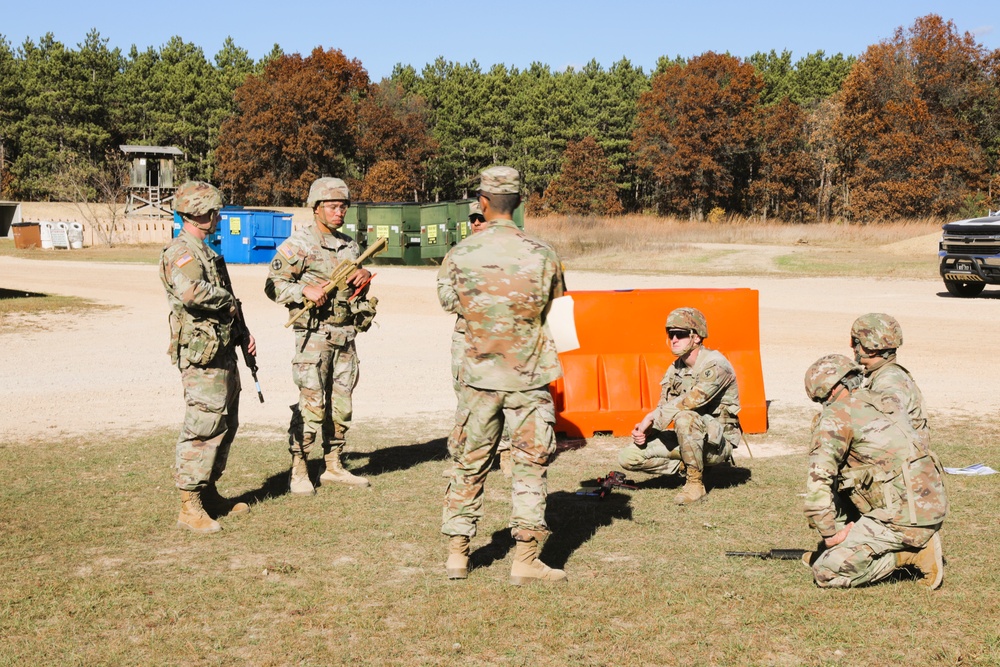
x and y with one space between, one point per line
240 325
773 554
338 279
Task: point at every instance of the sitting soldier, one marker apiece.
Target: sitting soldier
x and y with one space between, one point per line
696 423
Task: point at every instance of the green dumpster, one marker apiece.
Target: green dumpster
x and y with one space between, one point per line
399 223
355 223
436 238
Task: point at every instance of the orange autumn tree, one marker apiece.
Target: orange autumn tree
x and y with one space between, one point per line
586 183
387 181
294 123
907 145
785 185
695 132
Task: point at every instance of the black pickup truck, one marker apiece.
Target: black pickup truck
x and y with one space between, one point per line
969 255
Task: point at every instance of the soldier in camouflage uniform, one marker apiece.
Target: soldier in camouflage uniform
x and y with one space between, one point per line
501 282
864 446
477 223
325 365
875 338
203 346
701 399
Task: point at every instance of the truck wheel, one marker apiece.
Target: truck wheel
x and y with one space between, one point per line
956 288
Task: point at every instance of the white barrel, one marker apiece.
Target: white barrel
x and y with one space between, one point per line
75 235
60 235
45 231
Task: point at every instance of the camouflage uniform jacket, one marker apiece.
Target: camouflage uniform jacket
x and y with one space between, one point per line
308 257
863 445
449 301
501 282
892 379
200 307
708 388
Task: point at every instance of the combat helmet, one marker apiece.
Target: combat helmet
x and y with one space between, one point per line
327 189
877 331
197 198
826 372
688 318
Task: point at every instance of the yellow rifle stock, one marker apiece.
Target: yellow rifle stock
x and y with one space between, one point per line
338 279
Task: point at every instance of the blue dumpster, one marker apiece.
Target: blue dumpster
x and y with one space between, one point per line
251 237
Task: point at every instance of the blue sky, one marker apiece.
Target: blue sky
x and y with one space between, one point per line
516 32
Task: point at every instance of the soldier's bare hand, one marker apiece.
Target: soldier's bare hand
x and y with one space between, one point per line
839 537
639 432
251 346
359 277
316 293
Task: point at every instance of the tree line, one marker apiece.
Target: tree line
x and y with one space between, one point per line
909 128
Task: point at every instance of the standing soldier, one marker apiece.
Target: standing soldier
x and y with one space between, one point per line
700 397
875 338
203 340
865 447
446 294
325 365
502 282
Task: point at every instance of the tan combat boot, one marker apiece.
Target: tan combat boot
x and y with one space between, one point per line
929 560
693 490
506 466
300 484
335 471
526 567
219 506
457 566
193 516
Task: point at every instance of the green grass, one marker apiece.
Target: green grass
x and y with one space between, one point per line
96 572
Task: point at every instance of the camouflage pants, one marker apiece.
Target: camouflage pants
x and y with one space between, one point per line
458 346
211 418
481 414
868 554
697 440
326 375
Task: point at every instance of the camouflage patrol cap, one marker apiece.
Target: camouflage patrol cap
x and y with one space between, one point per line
500 181
690 319
197 198
825 373
877 331
327 189
475 209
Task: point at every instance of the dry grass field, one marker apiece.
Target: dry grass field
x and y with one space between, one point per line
96 572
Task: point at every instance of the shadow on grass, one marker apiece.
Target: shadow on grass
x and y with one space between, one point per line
575 519
400 457
500 544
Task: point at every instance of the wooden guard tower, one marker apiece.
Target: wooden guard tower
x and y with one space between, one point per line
151 180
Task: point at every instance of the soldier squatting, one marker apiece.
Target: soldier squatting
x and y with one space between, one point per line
874 488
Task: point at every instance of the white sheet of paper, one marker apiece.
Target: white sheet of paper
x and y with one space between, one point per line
974 469
563 325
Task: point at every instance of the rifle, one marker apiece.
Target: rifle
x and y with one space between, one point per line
606 484
338 279
773 554
240 325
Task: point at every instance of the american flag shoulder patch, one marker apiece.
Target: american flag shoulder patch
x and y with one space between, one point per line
183 259
286 251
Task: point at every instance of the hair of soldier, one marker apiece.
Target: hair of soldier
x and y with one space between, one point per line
502 204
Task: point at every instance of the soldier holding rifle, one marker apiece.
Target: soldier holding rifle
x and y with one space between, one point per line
325 365
205 329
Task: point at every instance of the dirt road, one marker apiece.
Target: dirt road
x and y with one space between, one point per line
107 371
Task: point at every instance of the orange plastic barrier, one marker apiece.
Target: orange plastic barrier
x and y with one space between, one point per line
613 380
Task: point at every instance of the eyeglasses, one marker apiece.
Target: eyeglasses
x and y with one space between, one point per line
335 205
679 334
